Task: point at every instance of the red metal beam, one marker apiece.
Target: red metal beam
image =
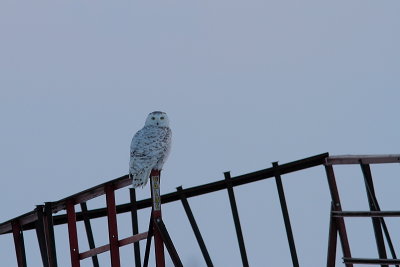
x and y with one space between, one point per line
132 239
105 248
73 233
112 226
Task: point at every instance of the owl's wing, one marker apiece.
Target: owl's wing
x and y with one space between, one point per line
136 140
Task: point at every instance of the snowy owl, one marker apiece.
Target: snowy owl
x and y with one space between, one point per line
150 147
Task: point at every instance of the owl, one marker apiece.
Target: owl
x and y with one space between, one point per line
150 147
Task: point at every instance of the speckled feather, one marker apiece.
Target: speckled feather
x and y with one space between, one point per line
150 147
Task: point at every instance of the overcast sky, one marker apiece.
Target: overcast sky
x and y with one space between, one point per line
244 83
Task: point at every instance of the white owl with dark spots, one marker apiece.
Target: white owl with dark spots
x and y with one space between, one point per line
150 147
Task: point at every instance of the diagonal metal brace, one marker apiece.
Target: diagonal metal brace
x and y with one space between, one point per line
160 227
148 243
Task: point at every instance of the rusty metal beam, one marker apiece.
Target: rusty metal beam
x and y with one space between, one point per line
73 233
112 226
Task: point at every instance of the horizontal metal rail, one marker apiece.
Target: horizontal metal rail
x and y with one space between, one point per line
362 159
366 213
371 261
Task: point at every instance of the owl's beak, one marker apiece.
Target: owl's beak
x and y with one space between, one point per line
157 123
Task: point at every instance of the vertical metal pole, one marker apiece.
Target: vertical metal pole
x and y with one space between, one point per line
19 244
195 228
41 235
72 233
135 226
112 226
286 218
89 232
156 214
376 223
236 220
332 241
51 243
340 225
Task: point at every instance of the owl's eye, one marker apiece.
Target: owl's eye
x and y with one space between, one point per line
153 118
161 118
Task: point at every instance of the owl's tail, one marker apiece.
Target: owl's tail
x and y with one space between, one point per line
139 178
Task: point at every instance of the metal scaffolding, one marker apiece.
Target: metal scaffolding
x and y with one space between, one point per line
43 218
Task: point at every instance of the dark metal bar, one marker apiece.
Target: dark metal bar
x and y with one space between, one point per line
72 233
332 241
365 159
286 218
371 261
366 213
89 232
148 243
19 244
135 226
236 219
386 231
159 224
112 226
336 206
376 222
167 198
195 228
41 235
51 242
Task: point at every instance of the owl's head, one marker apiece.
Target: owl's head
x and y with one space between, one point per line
157 118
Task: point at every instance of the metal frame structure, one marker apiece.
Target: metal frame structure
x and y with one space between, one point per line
337 224
43 218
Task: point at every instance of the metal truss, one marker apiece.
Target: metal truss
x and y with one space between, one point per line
43 218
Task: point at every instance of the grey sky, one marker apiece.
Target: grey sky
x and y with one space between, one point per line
244 83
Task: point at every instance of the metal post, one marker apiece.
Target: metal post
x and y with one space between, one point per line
156 214
41 235
51 243
19 244
89 232
340 225
195 228
236 220
286 218
135 226
73 233
112 226
332 241
376 222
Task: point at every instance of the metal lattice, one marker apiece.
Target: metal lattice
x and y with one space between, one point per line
43 218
